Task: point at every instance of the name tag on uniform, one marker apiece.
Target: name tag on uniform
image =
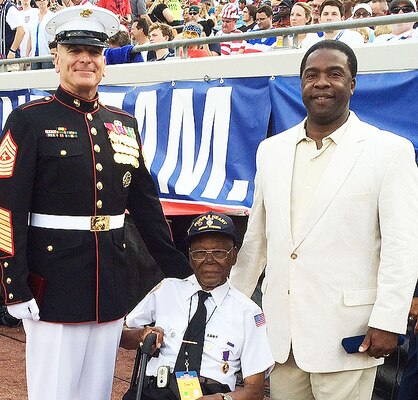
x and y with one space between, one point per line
189 385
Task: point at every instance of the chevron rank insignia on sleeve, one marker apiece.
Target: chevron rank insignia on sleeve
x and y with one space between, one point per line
8 151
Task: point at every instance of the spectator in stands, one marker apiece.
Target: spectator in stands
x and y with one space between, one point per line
264 23
139 34
195 16
186 15
194 31
175 8
300 15
120 39
139 10
159 12
159 33
363 10
281 14
229 17
12 30
405 30
333 11
249 15
120 49
29 13
379 8
38 38
348 8
315 4
122 8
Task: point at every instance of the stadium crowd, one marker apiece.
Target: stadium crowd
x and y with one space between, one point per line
142 22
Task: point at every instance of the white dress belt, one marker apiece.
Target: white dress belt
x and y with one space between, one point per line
80 223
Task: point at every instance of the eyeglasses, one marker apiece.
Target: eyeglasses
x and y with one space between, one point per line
405 9
192 13
217 254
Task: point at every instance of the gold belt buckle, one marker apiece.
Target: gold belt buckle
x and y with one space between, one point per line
100 223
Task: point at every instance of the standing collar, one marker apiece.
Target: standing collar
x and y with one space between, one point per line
76 102
218 294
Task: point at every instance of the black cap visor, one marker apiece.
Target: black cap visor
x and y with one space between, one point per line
85 38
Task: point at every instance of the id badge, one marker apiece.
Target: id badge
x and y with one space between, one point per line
189 385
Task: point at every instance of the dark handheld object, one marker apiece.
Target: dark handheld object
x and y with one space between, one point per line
137 381
352 343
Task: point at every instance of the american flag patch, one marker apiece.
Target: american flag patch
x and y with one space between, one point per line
6 232
259 319
8 150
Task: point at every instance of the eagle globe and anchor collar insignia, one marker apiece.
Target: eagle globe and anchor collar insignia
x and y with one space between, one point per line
124 143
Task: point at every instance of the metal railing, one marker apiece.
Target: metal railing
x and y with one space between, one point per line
284 32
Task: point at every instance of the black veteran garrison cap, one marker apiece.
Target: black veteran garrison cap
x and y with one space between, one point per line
212 222
86 25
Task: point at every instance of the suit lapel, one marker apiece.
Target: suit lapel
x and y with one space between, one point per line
342 162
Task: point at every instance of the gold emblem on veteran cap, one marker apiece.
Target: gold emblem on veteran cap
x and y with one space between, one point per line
126 180
86 13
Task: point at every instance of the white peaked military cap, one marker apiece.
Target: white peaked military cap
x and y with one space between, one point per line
86 24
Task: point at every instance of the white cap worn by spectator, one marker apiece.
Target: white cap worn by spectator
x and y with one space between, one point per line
86 24
363 6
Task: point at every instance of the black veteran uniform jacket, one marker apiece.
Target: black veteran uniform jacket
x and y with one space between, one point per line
71 167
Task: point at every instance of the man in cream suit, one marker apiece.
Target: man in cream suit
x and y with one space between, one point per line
335 224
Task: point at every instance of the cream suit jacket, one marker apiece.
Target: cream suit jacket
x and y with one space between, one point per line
354 263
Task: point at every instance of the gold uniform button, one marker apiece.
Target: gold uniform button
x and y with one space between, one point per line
293 256
90 117
47 98
8 281
95 104
99 167
50 248
63 152
6 264
99 204
93 131
96 148
99 185
124 245
11 296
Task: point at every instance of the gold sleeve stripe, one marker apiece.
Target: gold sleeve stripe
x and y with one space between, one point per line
8 151
6 232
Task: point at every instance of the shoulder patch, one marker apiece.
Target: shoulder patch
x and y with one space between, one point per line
6 232
8 151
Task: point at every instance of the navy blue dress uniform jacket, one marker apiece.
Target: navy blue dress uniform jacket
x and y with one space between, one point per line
64 165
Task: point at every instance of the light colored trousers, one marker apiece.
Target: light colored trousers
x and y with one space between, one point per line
71 361
289 382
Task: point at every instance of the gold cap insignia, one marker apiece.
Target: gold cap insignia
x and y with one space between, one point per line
86 13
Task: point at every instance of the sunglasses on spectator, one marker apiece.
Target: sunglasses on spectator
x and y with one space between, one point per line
405 9
192 13
363 14
190 35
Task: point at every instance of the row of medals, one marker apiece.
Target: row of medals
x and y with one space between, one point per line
126 149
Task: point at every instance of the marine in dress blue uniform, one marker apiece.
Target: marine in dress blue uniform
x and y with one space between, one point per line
69 168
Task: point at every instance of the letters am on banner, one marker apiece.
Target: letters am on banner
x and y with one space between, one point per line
200 140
